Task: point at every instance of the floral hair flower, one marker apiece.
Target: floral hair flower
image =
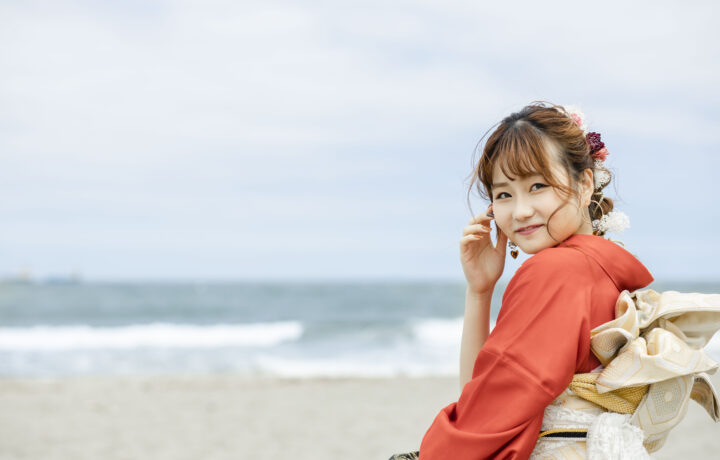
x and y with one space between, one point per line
577 116
614 221
597 147
600 154
600 175
594 141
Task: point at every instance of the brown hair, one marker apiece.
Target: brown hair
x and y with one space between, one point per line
521 144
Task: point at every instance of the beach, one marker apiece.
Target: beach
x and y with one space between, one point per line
241 371
228 416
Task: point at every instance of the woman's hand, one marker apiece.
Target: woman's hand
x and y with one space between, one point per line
482 263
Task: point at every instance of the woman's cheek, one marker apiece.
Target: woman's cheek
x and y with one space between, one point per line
504 224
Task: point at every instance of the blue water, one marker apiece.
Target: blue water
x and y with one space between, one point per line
314 329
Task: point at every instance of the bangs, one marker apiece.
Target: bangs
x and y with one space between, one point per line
522 152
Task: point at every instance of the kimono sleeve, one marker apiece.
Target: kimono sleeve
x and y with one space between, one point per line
541 336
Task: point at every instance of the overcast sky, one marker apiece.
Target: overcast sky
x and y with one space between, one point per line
313 139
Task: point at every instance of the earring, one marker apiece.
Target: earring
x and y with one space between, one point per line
513 249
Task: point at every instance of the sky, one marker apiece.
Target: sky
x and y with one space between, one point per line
332 140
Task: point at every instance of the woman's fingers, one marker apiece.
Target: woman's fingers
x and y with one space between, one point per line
475 228
482 217
470 239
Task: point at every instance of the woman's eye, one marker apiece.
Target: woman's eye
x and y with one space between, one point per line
500 195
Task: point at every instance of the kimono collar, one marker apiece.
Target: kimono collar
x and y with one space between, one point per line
625 270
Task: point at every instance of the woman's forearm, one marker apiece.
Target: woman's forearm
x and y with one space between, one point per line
476 327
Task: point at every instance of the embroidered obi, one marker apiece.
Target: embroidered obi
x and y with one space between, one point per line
652 363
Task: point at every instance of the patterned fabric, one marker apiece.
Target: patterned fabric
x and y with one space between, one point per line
654 363
567 411
610 436
621 400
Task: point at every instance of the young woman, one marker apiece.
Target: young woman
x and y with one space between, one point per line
543 175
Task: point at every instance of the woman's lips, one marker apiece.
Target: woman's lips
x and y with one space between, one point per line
529 230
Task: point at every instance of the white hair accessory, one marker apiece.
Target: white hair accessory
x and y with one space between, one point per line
614 221
600 175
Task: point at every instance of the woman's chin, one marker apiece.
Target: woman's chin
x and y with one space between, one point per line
533 247
532 251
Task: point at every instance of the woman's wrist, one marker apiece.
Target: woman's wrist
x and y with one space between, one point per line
480 293
478 301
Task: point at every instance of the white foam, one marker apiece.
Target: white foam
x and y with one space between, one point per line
439 332
432 350
160 335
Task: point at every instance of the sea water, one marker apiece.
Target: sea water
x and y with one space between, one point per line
358 329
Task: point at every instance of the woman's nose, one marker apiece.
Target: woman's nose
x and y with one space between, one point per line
522 210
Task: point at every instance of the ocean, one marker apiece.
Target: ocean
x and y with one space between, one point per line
358 329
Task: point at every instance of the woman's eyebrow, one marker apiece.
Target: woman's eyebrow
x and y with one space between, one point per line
502 184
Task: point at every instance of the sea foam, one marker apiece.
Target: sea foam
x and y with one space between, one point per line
156 335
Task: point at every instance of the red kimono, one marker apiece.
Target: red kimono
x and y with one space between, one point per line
541 338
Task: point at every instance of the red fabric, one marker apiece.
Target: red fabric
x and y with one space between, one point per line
540 339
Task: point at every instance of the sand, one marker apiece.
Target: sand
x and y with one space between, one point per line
234 417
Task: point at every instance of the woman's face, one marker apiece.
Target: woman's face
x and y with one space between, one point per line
530 201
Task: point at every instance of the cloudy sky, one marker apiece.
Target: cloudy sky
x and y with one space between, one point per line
332 139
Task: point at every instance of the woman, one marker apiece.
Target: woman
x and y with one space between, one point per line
543 175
